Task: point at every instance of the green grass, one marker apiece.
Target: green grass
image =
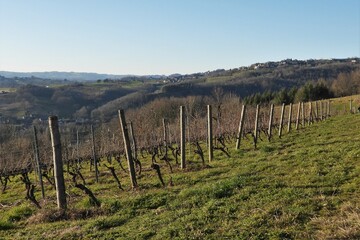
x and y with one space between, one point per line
302 186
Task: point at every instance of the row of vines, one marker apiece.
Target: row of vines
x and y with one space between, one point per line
154 144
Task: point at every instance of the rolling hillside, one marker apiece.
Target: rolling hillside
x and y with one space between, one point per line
100 99
302 186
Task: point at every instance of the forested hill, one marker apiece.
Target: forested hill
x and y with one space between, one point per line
33 97
264 76
291 69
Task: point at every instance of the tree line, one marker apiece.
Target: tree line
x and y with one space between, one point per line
344 85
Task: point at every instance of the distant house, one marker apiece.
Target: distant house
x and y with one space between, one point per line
259 65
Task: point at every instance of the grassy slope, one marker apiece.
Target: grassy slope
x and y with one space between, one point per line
303 186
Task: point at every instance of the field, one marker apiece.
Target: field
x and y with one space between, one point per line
302 186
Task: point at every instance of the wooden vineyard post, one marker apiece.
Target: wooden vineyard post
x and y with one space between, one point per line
58 164
351 105
289 119
94 154
328 108
182 137
321 110
310 113
207 134
302 114
37 161
316 111
241 126
281 119
127 146
270 121
298 116
133 140
209 125
256 125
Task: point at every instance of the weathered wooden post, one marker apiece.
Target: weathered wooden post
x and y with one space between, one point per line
351 109
37 161
182 137
326 109
94 154
321 110
241 126
58 164
298 116
207 133
270 121
316 111
310 113
256 125
133 140
281 119
290 118
127 146
209 125
302 114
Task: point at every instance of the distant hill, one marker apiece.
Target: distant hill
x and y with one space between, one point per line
72 76
98 96
292 64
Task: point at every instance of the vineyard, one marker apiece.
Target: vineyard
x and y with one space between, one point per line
82 143
161 149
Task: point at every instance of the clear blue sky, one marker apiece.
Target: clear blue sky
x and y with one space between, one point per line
172 36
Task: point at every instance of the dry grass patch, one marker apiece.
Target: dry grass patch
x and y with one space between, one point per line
47 215
344 225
